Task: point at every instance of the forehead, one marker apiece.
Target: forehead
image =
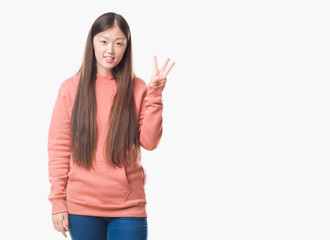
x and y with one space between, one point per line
111 33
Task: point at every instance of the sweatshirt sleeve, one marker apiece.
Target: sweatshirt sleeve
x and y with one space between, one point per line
150 120
59 151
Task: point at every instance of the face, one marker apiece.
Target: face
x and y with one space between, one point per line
109 48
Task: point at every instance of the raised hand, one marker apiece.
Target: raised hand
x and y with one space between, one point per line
158 77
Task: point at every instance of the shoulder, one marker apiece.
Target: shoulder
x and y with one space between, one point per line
69 85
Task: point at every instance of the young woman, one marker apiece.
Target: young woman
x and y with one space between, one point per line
101 118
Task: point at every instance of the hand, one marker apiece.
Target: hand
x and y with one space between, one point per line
61 222
158 77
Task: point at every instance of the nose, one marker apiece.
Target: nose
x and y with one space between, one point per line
109 48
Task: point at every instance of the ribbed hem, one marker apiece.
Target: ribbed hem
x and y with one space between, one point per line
155 91
129 209
58 206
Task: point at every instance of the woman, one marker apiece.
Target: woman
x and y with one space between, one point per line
100 119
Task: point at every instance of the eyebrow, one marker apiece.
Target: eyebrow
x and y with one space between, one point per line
108 38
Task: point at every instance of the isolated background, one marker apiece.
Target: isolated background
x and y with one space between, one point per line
245 149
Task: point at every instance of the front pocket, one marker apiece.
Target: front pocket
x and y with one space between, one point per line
103 185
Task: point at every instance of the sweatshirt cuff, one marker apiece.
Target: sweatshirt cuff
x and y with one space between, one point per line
155 91
154 95
58 206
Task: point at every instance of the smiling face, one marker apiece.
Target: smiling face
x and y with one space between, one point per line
109 48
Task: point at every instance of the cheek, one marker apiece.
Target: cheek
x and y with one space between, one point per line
99 52
121 54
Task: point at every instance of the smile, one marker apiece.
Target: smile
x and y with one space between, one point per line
109 59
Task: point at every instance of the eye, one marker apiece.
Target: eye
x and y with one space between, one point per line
103 42
119 44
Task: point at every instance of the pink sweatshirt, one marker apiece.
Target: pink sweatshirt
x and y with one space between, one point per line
107 191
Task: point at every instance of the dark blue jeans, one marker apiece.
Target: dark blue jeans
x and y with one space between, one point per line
104 228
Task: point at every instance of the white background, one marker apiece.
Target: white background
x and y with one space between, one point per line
245 149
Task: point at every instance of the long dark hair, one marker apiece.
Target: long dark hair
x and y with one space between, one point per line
122 146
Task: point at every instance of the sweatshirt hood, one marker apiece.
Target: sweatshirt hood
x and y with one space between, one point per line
105 77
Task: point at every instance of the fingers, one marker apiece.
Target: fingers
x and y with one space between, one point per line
64 234
61 222
66 222
155 65
164 65
61 227
162 71
159 76
169 69
158 83
163 82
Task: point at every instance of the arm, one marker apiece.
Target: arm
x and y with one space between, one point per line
150 120
59 151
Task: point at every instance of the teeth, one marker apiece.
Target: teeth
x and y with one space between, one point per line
108 57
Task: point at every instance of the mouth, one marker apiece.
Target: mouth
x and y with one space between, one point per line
109 59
